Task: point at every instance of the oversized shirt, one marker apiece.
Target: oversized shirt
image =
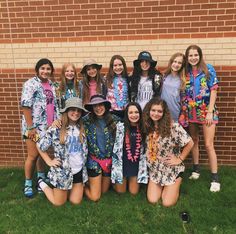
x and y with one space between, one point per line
197 95
33 96
62 177
159 172
117 162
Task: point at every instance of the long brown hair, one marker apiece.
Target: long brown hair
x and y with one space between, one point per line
201 65
62 87
65 124
85 81
164 124
181 72
111 74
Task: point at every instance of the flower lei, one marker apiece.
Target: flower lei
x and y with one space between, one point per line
120 91
92 142
133 158
153 146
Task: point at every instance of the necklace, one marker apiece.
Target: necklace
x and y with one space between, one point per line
120 91
153 146
130 156
92 141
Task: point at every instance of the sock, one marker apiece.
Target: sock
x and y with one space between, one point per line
28 182
41 175
215 177
42 184
196 168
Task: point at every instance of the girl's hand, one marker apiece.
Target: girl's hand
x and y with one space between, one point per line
209 118
32 135
172 160
54 162
56 123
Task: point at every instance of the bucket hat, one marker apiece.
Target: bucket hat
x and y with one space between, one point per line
145 55
97 99
90 62
73 102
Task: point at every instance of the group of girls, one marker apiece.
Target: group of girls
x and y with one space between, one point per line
102 137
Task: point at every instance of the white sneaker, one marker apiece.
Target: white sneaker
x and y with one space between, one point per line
194 175
215 187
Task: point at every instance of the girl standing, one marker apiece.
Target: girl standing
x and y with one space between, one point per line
117 84
146 80
201 91
128 159
168 145
93 83
173 84
69 85
67 168
39 105
100 128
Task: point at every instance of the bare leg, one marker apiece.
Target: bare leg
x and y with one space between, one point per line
76 193
194 132
94 191
121 188
154 192
106 182
209 134
31 159
56 196
133 185
170 193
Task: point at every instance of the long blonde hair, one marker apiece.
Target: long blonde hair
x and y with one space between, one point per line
62 87
65 124
181 72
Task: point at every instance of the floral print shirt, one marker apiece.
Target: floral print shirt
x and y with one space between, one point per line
117 162
61 177
196 98
159 172
118 94
33 97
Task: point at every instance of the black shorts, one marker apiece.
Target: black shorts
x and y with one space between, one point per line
94 173
78 177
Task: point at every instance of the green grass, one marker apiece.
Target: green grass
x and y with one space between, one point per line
209 212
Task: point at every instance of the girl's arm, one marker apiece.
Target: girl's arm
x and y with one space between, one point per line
209 115
172 160
50 162
29 121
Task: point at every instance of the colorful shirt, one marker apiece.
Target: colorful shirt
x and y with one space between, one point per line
33 96
94 152
197 93
118 93
159 172
117 161
62 177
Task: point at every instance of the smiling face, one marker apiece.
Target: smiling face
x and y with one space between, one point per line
145 65
156 113
99 109
70 73
74 114
92 71
133 115
177 64
118 67
44 72
193 57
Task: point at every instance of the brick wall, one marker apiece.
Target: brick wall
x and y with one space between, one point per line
72 30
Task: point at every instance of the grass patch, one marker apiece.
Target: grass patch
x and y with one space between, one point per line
114 213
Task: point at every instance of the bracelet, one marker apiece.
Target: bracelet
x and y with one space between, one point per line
31 127
181 159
